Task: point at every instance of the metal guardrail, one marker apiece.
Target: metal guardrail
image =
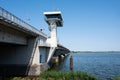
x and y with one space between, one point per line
7 16
44 44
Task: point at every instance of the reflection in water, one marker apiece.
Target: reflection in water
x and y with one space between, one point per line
103 65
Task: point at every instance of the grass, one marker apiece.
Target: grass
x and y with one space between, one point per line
58 75
118 78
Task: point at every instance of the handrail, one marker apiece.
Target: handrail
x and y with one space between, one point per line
4 14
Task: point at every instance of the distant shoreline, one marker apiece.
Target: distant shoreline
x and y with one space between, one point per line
95 52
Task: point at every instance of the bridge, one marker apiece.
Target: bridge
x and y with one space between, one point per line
24 50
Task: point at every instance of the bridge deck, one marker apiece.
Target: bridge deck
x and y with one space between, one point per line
18 23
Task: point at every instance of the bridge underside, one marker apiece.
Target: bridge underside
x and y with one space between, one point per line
12 61
16 50
61 51
15 58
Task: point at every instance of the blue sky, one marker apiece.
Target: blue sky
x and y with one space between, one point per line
89 25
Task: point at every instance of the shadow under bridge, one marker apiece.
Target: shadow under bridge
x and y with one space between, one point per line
61 51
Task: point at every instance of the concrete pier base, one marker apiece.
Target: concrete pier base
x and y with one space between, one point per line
36 69
66 55
55 59
44 67
62 56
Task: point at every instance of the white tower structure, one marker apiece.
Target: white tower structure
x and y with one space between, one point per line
54 20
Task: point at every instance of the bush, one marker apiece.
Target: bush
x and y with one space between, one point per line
15 78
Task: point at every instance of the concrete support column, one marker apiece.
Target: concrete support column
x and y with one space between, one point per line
53 31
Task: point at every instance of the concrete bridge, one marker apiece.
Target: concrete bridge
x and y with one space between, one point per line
24 50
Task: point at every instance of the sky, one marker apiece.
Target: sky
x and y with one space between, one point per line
89 25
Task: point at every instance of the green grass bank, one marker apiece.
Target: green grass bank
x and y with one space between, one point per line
58 75
117 78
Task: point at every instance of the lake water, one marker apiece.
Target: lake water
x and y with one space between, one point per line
105 66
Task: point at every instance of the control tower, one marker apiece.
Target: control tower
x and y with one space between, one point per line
54 20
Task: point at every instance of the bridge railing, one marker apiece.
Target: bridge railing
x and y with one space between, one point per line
7 16
44 44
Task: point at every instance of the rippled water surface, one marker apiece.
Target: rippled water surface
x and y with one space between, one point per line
105 66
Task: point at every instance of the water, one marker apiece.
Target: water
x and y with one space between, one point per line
105 66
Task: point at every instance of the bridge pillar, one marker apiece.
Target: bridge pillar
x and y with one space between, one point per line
39 62
53 30
55 59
